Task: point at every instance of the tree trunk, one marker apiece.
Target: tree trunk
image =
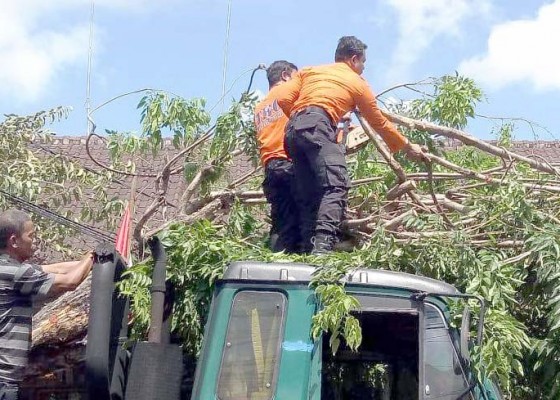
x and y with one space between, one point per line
63 319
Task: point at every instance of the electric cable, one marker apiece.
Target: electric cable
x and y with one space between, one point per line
246 93
260 66
57 218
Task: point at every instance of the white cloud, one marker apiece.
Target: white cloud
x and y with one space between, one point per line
420 22
32 61
521 51
34 53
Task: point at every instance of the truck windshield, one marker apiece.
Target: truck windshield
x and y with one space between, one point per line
251 353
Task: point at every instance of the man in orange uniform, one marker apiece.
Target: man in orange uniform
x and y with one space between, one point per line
278 185
316 99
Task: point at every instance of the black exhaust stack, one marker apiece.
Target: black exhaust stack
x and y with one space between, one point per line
107 328
156 367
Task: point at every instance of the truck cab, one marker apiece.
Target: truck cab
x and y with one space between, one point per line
258 344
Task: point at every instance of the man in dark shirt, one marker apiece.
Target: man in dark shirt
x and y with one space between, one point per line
20 284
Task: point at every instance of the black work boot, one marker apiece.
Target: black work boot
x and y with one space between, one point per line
322 244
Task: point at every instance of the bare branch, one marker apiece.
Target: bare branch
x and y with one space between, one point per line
188 149
244 178
410 86
469 140
196 182
398 220
209 211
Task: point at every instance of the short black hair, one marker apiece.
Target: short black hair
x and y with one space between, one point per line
275 70
12 222
349 46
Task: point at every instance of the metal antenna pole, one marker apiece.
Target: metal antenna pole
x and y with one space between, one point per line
90 123
226 49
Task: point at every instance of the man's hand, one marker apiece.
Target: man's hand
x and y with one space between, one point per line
415 153
88 261
88 256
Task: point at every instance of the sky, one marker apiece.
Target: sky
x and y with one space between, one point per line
508 46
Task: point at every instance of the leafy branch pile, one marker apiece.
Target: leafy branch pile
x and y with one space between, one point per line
482 218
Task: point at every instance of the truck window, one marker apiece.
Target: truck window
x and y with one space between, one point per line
384 367
251 352
442 370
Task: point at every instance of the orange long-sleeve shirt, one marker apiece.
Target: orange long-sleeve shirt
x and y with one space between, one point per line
337 89
270 122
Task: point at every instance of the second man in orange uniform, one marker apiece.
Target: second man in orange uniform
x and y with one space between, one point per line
278 185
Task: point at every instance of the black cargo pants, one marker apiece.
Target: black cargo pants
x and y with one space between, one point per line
279 189
320 171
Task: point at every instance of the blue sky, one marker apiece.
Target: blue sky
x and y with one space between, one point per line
508 46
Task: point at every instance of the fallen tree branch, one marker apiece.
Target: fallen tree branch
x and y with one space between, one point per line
188 149
162 184
393 164
513 260
449 204
64 318
202 173
241 194
468 140
401 189
216 207
397 221
244 178
358 223
387 156
255 201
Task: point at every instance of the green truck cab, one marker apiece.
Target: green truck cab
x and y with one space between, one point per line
258 345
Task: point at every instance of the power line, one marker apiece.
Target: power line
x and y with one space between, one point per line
221 99
79 161
62 220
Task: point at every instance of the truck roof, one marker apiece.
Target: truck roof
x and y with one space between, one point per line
262 271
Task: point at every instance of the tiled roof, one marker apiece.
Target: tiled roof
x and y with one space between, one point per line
75 149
